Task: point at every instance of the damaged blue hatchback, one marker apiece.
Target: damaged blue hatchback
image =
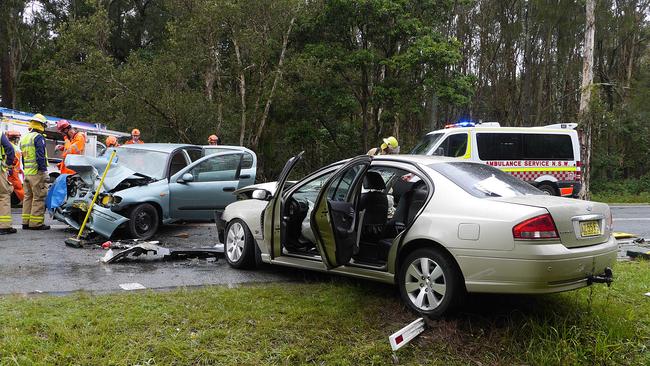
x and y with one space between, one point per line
153 184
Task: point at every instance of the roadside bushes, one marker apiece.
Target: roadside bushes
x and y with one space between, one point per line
622 190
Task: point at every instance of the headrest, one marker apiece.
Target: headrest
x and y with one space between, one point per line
373 180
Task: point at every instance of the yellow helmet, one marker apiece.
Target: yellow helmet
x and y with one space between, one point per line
38 122
39 118
390 142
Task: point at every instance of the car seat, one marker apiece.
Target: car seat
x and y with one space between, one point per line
374 203
409 205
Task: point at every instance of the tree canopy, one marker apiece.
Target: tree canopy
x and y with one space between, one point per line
330 77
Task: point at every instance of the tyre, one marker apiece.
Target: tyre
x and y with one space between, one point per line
548 189
430 283
143 221
240 245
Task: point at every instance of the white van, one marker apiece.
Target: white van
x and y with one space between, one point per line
547 157
19 121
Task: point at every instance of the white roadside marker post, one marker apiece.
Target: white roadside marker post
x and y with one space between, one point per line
405 335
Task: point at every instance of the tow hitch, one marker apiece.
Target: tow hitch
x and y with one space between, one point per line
607 277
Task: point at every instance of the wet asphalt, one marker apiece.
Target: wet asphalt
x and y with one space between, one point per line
40 262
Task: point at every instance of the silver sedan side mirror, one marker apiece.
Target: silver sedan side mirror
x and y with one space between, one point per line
260 194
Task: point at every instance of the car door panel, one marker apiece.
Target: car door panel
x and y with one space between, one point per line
343 217
334 220
272 211
343 221
209 191
248 166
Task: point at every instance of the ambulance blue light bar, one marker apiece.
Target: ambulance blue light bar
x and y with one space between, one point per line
461 124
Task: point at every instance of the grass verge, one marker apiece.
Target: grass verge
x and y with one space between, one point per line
327 321
623 197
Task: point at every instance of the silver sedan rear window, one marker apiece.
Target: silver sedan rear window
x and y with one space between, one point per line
482 180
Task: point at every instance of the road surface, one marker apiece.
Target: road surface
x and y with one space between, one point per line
39 261
634 219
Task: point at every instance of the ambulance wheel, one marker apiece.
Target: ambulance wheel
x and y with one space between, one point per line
548 189
143 221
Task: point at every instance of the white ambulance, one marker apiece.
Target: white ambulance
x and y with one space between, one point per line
95 132
547 157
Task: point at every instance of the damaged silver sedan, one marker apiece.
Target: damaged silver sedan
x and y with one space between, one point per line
153 184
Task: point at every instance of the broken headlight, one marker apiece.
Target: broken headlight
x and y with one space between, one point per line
108 200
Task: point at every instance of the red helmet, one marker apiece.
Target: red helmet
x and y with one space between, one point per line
111 141
62 125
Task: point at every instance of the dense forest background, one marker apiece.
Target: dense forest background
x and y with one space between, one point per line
330 77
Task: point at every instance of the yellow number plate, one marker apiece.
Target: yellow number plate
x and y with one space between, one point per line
589 228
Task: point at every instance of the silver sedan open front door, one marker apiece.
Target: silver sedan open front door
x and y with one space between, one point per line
272 211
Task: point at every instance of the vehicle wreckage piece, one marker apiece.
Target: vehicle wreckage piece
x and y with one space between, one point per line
153 252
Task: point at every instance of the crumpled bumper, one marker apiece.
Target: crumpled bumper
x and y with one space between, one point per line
102 220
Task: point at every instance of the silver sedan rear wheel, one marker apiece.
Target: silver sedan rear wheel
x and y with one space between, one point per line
240 246
430 282
425 284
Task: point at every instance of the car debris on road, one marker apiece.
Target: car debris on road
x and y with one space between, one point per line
638 248
150 251
403 336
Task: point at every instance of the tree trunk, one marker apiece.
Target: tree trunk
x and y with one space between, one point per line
278 75
7 79
212 76
396 127
219 95
242 91
9 50
585 97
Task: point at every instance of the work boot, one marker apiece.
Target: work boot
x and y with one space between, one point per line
25 226
40 227
8 230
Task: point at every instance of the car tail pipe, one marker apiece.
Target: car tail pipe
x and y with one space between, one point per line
606 277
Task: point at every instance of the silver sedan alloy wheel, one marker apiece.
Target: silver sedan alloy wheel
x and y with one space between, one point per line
235 242
425 284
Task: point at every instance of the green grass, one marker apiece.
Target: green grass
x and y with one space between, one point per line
621 197
327 321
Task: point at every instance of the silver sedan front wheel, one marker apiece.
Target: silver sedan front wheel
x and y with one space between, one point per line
430 282
235 242
240 245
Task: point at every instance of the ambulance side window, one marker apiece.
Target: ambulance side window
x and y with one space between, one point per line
453 146
499 146
520 146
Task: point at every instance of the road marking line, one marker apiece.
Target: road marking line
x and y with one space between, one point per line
132 286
